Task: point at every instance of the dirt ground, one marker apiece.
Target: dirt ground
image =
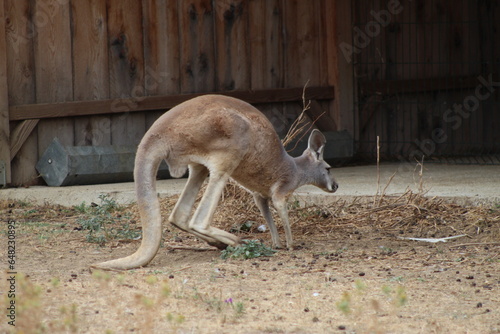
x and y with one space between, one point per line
350 273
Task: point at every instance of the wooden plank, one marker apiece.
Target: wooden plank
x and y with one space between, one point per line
21 82
161 47
412 40
266 55
402 40
301 48
266 43
491 137
54 80
291 45
90 68
19 48
231 30
257 21
197 46
419 85
20 134
4 100
326 28
86 108
126 65
302 43
488 50
161 50
341 72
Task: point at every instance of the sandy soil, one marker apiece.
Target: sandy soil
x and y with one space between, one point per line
356 278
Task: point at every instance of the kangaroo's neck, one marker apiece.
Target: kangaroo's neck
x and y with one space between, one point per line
294 174
303 175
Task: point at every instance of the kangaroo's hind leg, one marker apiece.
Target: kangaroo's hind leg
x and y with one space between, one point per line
184 206
202 218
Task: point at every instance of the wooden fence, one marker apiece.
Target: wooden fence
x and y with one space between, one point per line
99 72
427 77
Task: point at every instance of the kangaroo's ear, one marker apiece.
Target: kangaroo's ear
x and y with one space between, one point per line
317 143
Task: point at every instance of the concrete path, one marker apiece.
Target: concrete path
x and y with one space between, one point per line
464 184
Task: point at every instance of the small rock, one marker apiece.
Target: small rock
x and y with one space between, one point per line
262 228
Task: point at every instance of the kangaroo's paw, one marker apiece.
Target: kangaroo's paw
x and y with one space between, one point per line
222 245
218 244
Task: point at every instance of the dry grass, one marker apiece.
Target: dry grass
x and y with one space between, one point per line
410 214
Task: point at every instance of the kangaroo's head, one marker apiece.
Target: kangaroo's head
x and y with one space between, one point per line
319 172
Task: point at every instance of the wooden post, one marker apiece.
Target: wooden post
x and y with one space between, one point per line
4 102
90 68
231 31
53 69
20 59
126 69
161 51
196 33
266 56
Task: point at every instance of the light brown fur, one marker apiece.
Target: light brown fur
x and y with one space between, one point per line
225 138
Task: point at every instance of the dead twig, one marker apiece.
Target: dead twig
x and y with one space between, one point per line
300 126
195 249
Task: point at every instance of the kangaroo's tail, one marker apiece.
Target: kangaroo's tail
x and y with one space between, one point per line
150 153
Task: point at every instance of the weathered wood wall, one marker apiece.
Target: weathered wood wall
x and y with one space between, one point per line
4 108
123 51
118 64
415 65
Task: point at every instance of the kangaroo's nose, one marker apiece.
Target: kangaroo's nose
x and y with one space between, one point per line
335 186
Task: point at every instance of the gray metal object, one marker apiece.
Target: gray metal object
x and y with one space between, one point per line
70 165
339 145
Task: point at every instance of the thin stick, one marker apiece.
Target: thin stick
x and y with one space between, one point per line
421 176
386 186
195 249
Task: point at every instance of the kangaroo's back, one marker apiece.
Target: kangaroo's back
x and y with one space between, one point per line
211 118
216 131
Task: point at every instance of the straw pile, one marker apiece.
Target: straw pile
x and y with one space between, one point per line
409 214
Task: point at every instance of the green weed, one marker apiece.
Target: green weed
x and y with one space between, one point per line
105 222
249 250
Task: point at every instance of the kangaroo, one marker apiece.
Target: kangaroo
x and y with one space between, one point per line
218 137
